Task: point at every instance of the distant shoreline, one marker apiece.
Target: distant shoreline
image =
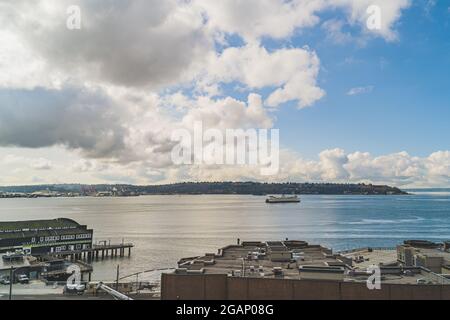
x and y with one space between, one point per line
188 194
194 188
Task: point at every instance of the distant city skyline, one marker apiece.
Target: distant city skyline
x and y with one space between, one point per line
99 103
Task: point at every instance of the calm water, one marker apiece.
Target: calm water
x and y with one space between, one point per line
166 228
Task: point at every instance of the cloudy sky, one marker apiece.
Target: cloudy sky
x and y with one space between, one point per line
99 104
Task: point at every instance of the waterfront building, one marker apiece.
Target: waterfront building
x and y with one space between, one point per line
44 236
296 270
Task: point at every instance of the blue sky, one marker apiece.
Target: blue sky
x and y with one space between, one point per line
94 96
408 109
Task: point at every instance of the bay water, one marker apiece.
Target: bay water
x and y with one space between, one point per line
167 228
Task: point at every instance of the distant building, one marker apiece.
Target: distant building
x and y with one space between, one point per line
426 254
44 236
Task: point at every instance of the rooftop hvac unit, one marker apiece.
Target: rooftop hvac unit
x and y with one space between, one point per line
277 271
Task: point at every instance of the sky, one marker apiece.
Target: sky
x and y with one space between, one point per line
99 103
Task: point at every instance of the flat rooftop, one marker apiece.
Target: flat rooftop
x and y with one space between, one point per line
235 257
434 253
363 258
34 225
284 259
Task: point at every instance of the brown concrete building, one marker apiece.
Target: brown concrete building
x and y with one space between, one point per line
430 255
295 270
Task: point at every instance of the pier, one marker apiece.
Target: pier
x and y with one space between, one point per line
98 251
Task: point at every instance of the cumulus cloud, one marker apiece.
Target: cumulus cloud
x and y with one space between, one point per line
151 43
292 71
130 43
113 92
390 12
254 19
41 164
229 113
438 165
21 162
333 165
77 119
399 169
120 127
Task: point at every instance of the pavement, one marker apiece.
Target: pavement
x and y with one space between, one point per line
37 290
33 288
56 297
62 297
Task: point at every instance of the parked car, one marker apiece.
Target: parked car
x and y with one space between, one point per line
4 281
23 279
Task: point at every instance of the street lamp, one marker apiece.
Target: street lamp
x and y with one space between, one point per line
11 279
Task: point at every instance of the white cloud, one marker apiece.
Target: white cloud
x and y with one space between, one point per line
399 169
293 72
253 19
41 164
109 95
438 164
134 43
334 165
390 10
151 43
229 113
22 163
360 90
335 33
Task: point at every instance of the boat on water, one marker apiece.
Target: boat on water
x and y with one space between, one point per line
283 199
13 256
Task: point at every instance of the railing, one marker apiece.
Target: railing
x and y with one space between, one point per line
367 248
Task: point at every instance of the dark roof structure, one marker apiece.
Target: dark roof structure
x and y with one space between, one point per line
38 225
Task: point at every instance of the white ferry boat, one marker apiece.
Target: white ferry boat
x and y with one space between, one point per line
283 199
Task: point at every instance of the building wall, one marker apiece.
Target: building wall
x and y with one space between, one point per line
222 287
405 254
305 275
281 256
44 244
